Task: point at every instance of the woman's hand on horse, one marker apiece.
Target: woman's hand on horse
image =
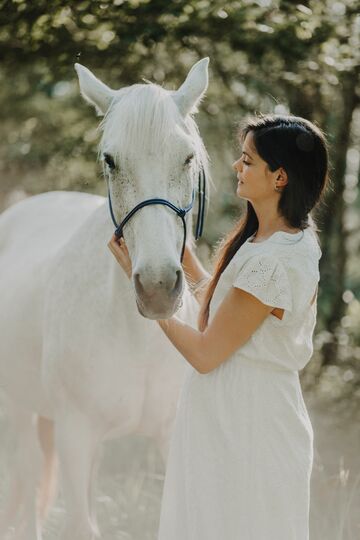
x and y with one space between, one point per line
118 248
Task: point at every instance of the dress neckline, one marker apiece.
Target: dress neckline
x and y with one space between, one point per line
281 237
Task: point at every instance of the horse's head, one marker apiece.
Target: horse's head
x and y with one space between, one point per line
150 148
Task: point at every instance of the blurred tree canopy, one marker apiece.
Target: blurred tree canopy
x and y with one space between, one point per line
266 55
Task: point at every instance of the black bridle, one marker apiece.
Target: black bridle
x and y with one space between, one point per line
181 212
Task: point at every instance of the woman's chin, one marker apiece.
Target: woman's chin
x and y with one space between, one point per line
241 193
240 190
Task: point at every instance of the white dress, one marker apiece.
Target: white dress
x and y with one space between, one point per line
241 451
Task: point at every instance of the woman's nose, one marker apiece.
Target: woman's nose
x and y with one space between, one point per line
236 165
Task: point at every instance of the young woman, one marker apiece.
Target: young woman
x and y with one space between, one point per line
241 453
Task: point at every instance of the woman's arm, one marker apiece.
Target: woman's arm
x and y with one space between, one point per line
236 319
196 275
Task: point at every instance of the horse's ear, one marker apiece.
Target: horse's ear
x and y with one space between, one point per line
93 90
189 95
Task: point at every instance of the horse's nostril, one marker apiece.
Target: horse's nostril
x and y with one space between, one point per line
138 285
178 282
170 283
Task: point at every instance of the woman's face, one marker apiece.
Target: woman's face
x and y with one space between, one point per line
255 180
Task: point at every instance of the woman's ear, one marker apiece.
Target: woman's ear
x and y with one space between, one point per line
282 178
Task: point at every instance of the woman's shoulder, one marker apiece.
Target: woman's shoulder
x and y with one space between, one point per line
294 255
284 246
289 263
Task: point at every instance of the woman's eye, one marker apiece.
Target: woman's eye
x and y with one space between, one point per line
189 159
109 161
246 162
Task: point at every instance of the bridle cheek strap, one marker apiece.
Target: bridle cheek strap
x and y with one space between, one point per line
181 212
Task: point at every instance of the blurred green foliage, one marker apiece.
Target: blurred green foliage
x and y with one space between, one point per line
266 55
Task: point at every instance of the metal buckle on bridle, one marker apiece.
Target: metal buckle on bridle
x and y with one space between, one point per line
181 212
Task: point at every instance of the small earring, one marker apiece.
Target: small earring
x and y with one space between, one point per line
278 189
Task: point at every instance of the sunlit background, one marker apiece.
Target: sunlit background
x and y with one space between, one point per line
265 55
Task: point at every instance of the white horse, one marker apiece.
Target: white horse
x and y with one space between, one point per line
77 360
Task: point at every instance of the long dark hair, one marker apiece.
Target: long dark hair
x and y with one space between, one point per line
300 147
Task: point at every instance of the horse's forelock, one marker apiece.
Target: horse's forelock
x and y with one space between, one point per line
142 118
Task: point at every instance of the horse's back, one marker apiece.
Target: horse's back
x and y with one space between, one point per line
35 228
32 233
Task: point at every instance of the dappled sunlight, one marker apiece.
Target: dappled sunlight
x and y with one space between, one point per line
265 55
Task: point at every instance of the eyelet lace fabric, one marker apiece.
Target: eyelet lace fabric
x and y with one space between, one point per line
265 277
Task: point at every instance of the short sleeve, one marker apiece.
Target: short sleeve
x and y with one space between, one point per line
265 277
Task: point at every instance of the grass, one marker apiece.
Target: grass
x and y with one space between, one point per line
131 475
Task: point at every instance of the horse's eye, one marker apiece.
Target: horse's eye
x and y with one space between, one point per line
189 159
109 160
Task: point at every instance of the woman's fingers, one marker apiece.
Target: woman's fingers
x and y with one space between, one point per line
116 244
113 244
119 250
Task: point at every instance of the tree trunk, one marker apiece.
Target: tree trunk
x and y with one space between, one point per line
333 233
